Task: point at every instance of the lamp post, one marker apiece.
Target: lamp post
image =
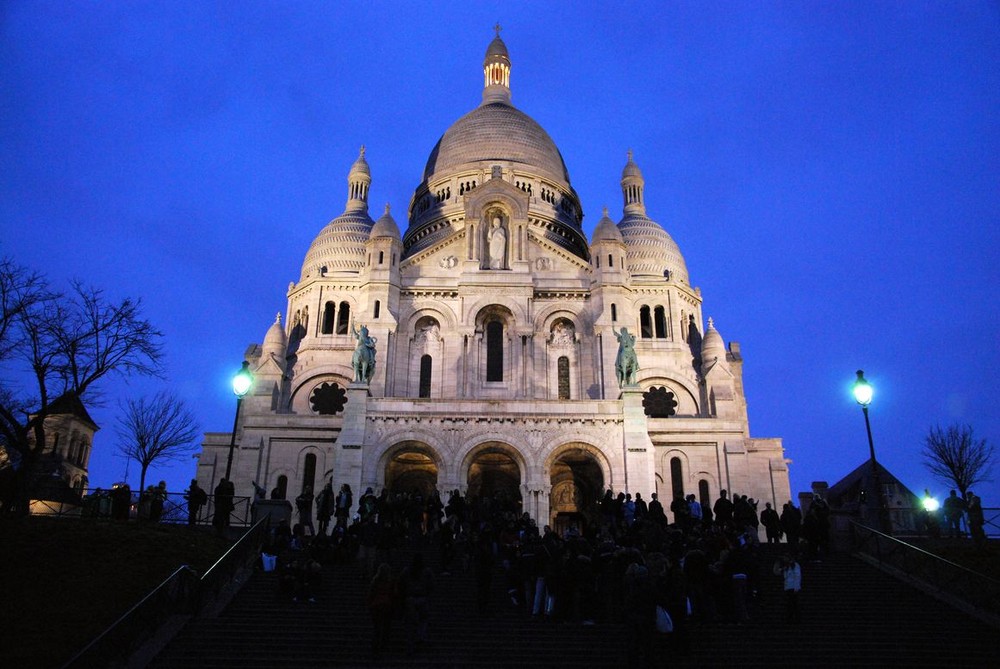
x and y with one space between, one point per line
241 386
863 395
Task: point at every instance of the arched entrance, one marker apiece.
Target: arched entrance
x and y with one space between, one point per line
577 484
494 479
411 468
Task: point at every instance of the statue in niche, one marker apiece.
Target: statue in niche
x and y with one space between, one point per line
496 240
563 333
429 333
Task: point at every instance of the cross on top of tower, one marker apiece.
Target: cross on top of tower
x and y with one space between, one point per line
497 28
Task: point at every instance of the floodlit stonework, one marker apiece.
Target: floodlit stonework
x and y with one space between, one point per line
495 324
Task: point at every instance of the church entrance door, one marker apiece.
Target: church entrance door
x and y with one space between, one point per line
495 480
577 484
411 469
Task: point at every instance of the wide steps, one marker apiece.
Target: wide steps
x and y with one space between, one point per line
852 615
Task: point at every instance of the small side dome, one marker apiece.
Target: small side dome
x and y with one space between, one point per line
713 349
385 226
275 341
606 230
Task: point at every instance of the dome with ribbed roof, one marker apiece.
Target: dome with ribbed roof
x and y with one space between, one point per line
650 251
340 245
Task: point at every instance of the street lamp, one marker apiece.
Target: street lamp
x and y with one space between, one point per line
241 386
863 395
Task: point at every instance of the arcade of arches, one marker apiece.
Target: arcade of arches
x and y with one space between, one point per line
576 479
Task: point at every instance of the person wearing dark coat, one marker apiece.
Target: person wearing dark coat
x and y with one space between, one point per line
224 493
791 523
723 509
656 511
772 524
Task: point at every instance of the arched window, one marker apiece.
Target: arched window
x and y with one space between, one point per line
309 472
328 312
611 260
645 323
614 312
494 351
660 321
703 494
343 317
563 373
282 487
381 257
378 308
426 364
676 478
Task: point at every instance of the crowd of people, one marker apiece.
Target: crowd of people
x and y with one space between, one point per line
629 562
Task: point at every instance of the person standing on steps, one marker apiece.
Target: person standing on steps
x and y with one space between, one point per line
416 584
772 524
304 504
324 507
196 498
381 602
791 573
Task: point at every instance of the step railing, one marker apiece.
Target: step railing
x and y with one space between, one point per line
114 646
975 593
182 593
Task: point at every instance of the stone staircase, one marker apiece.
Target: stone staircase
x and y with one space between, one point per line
852 615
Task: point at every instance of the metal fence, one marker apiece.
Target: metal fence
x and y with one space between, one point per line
975 593
100 503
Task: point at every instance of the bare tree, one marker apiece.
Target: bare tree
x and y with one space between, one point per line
158 429
60 345
955 456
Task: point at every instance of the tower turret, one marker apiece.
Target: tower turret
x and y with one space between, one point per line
496 71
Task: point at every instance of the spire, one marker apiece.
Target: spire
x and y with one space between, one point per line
496 71
632 187
358 181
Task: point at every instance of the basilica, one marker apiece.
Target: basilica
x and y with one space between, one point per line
491 348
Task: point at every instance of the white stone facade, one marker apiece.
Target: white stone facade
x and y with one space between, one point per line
495 323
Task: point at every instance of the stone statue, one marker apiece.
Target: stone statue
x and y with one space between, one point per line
364 356
497 240
626 363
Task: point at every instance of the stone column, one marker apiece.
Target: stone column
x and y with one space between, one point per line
350 459
640 467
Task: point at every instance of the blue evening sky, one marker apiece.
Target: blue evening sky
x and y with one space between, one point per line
830 170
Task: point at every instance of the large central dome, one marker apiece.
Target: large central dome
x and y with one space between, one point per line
497 131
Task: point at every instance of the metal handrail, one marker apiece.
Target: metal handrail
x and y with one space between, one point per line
239 555
183 592
123 637
977 593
